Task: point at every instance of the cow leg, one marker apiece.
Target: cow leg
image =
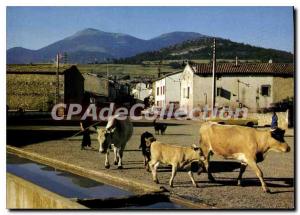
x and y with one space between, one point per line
206 164
153 166
192 178
259 174
209 175
119 156
116 157
147 163
107 166
242 170
174 170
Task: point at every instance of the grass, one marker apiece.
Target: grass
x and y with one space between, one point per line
146 70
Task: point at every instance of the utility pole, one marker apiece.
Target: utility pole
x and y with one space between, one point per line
213 75
106 70
57 79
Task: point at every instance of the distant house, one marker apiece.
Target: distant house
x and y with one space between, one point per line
255 86
141 90
101 90
97 89
73 86
167 89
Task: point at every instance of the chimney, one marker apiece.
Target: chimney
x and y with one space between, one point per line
236 61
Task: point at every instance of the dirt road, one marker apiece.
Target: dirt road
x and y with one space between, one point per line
278 169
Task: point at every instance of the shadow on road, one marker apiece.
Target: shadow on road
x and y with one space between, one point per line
248 182
26 137
224 166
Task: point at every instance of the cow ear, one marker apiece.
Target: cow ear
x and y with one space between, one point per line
195 147
148 143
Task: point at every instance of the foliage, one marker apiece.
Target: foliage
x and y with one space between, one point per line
202 49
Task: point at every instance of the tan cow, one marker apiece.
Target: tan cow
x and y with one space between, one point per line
248 145
177 156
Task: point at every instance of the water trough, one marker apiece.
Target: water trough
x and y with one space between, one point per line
85 191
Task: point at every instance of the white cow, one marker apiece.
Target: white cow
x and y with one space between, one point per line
117 133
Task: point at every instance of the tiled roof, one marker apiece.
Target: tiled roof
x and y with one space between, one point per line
277 69
167 75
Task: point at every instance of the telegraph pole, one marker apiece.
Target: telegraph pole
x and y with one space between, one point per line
213 75
57 78
106 69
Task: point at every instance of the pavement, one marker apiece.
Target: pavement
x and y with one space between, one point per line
278 168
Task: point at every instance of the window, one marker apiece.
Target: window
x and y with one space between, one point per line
164 90
265 90
157 103
223 93
157 91
188 92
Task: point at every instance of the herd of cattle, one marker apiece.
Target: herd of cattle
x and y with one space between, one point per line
247 145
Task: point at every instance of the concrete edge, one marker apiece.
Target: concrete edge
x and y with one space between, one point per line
107 178
190 204
68 203
99 176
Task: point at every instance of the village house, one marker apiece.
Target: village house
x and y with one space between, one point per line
99 89
141 90
167 89
255 86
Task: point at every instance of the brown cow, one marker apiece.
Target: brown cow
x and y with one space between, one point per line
248 145
177 156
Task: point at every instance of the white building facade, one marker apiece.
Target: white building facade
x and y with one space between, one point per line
141 91
255 86
167 90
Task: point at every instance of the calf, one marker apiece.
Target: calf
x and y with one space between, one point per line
177 156
158 126
248 145
146 148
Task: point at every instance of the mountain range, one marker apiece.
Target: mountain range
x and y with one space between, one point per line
92 45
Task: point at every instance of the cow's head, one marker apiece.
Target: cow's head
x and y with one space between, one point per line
149 140
199 151
105 134
104 138
277 142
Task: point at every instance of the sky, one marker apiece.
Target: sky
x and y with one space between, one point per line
36 27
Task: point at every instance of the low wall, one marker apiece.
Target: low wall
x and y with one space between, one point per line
266 118
21 194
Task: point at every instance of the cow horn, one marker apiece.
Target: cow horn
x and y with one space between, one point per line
111 122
